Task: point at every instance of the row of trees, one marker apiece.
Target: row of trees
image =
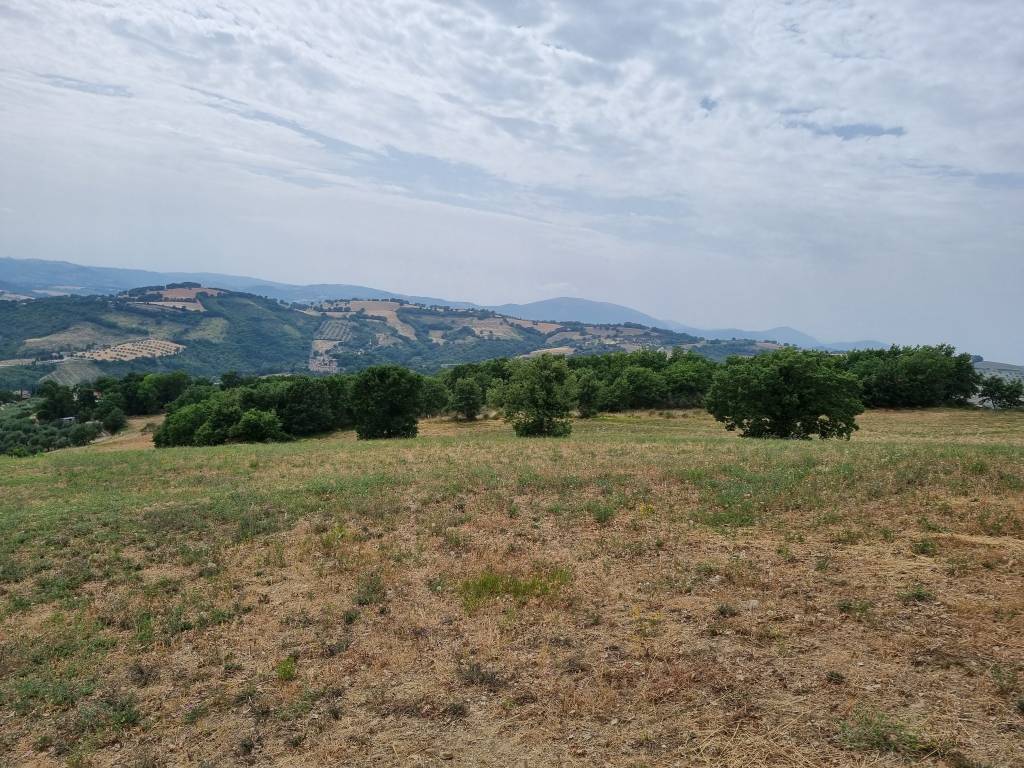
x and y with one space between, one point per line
787 393
109 400
384 401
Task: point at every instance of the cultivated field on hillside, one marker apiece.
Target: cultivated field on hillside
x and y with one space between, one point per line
133 350
650 591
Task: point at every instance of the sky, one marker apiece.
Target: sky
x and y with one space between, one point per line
852 168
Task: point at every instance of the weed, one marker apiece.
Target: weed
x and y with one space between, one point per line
602 512
196 713
703 572
848 536
455 540
917 593
869 730
142 675
1004 679
43 742
861 610
370 589
726 611
112 712
998 524
338 647
287 668
332 541
925 547
784 552
475 673
490 585
275 556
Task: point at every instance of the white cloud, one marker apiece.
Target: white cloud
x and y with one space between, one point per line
720 163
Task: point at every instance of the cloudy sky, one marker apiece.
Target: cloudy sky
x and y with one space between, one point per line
854 168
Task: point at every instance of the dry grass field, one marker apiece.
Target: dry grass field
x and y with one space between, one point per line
651 591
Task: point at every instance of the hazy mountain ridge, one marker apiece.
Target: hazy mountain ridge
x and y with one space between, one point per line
38 277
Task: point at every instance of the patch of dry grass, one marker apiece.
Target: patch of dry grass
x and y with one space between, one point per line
651 591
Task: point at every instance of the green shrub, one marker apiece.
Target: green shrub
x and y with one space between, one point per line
112 418
257 427
287 668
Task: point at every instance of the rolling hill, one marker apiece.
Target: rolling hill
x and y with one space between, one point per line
39 278
206 331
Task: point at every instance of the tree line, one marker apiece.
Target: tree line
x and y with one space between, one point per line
786 393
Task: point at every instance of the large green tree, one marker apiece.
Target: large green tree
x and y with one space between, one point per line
539 396
589 393
57 402
688 379
386 402
786 394
639 387
434 397
307 407
467 398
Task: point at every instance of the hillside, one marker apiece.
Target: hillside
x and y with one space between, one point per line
38 278
1006 370
648 592
206 331
220 331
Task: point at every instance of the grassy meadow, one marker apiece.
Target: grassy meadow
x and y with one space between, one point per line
649 591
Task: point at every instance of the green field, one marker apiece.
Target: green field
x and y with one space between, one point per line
650 591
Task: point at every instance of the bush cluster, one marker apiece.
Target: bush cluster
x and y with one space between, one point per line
22 434
913 377
57 417
787 393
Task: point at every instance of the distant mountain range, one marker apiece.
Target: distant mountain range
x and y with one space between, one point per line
38 278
